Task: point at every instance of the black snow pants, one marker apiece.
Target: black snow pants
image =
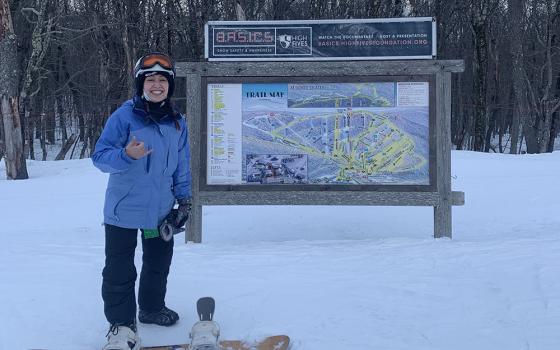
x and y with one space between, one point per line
119 274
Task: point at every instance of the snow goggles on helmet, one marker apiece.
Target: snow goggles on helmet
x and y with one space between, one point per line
155 62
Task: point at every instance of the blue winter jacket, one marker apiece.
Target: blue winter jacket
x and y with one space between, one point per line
140 193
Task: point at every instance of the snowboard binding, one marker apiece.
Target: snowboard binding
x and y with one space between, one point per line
205 333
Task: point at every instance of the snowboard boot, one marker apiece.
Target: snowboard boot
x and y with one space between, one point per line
164 317
205 335
122 337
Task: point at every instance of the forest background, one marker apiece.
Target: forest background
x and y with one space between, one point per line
65 65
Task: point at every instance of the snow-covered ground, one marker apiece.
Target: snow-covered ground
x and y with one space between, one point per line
329 277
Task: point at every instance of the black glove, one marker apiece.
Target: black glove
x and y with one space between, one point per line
176 219
183 212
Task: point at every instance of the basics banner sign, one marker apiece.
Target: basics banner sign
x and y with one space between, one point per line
381 39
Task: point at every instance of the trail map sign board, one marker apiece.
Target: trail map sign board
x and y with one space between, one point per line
364 39
321 133
325 132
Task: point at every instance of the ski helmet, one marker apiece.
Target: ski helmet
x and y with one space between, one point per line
154 63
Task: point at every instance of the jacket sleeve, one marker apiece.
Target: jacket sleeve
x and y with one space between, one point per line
182 175
109 155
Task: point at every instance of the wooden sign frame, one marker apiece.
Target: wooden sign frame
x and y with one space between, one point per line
438 194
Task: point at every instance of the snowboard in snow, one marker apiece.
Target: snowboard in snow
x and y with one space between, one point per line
277 342
205 335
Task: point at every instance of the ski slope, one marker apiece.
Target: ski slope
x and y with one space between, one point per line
329 277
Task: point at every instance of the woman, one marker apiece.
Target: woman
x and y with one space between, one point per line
144 147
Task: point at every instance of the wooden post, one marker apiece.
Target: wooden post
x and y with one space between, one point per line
442 211
194 229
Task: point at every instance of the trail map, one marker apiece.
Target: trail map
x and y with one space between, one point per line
318 133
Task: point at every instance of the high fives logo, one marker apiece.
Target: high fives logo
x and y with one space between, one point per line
285 40
293 41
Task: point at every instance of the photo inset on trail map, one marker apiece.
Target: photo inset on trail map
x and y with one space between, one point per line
277 168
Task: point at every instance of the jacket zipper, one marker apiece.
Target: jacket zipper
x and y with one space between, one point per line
149 155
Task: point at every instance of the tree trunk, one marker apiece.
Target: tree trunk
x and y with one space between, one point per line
493 110
549 103
9 101
59 99
50 125
543 99
64 150
480 66
2 148
239 13
74 147
547 129
32 75
553 133
30 122
531 139
398 8
128 16
88 137
460 117
61 120
518 90
43 135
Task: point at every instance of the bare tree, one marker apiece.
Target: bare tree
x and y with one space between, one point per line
35 72
2 148
480 13
544 97
16 167
516 14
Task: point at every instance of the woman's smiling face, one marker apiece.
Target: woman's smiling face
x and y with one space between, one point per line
156 87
